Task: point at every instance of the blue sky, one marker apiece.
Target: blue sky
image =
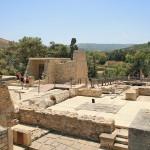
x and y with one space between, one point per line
90 21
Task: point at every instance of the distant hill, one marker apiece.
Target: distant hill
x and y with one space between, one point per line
102 47
4 43
139 47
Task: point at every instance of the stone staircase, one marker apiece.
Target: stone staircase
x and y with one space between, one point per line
118 140
121 140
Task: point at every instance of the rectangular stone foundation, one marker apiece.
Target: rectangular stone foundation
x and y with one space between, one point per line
69 123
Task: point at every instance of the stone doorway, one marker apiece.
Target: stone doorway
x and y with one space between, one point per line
41 70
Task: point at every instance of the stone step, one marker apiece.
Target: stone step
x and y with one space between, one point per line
122 133
121 141
16 147
118 146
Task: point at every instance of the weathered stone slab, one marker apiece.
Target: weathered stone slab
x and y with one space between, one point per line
99 107
139 131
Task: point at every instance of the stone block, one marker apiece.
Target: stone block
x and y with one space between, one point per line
107 140
145 91
131 94
89 92
22 137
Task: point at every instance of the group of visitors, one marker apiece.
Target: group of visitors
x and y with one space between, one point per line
23 79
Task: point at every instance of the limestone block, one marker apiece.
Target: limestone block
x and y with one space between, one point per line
144 91
73 92
89 92
60 96
21 137
108 90
107 140
131 94
25 134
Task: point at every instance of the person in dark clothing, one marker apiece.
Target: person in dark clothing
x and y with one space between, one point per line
22 79
18 75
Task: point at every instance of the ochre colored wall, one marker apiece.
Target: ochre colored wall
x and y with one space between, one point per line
61 70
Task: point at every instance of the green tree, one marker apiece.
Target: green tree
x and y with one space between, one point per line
58 50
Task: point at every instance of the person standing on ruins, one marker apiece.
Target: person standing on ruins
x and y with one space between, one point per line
73 47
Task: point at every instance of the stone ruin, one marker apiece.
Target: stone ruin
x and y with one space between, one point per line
59 70
76 116
6 115
6 106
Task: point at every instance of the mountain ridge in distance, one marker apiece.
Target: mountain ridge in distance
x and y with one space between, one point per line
102 47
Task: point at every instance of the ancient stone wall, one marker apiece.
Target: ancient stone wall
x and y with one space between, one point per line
65 72
6 141
81 69
6 106
3 139
51 72
60 70
67 122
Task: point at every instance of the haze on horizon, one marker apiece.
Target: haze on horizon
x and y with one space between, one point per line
96 21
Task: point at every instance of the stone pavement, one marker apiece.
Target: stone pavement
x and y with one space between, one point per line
15 147
99 107
54 141
123 116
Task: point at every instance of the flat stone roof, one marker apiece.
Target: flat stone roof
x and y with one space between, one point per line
142 120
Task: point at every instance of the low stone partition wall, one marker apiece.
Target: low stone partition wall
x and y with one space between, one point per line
68 122
139 131
92 92
144 91
108 90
